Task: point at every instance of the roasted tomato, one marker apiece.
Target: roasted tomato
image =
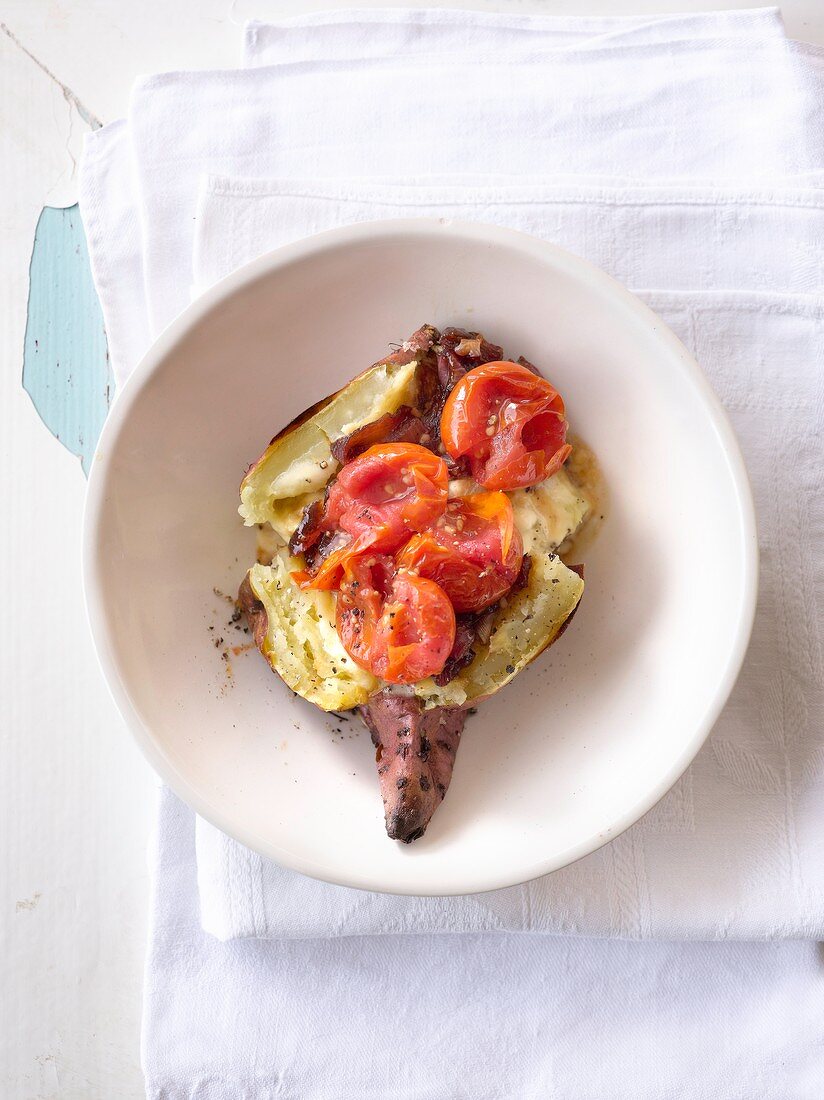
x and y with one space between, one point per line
509 423
473 552
331 569
388 493
398 626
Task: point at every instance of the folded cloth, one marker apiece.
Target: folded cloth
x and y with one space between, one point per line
368 33
110 209
492 1017
694 236
728 107
741 73
733 850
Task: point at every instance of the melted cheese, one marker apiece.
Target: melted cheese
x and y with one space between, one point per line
545 514
548 513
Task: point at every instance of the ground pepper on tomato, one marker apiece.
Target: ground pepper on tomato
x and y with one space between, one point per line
509 423
390 491
377 501
474 551
399 626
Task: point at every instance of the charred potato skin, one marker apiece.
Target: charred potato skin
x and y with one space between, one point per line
414 752
295 423
254 611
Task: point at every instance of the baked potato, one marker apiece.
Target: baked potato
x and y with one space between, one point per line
416 727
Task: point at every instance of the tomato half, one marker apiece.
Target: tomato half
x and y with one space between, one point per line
398 626
473 552
331 569
509 423
388 493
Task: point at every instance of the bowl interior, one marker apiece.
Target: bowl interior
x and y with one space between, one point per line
585 740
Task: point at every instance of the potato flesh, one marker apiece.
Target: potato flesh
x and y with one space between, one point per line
299 461
548 513
287 514
302 644
524 628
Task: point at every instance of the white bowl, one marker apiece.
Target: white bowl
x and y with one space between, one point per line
581 744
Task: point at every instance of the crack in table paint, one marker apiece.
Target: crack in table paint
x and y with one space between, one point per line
88 116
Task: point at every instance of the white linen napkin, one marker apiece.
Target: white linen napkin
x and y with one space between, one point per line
110 208
691 236
367 33
725 107
492 1017
734 850
736 105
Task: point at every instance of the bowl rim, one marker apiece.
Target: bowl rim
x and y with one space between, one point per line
479 879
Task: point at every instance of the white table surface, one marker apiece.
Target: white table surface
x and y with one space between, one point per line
75 795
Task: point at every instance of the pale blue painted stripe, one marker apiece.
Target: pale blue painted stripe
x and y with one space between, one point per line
66 368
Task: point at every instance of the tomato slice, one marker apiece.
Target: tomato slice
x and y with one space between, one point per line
398 626
360 603
509 423
417 629
332 566
473 552
388 493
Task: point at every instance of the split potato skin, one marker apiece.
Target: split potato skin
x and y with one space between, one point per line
415 753
254 611
416 732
